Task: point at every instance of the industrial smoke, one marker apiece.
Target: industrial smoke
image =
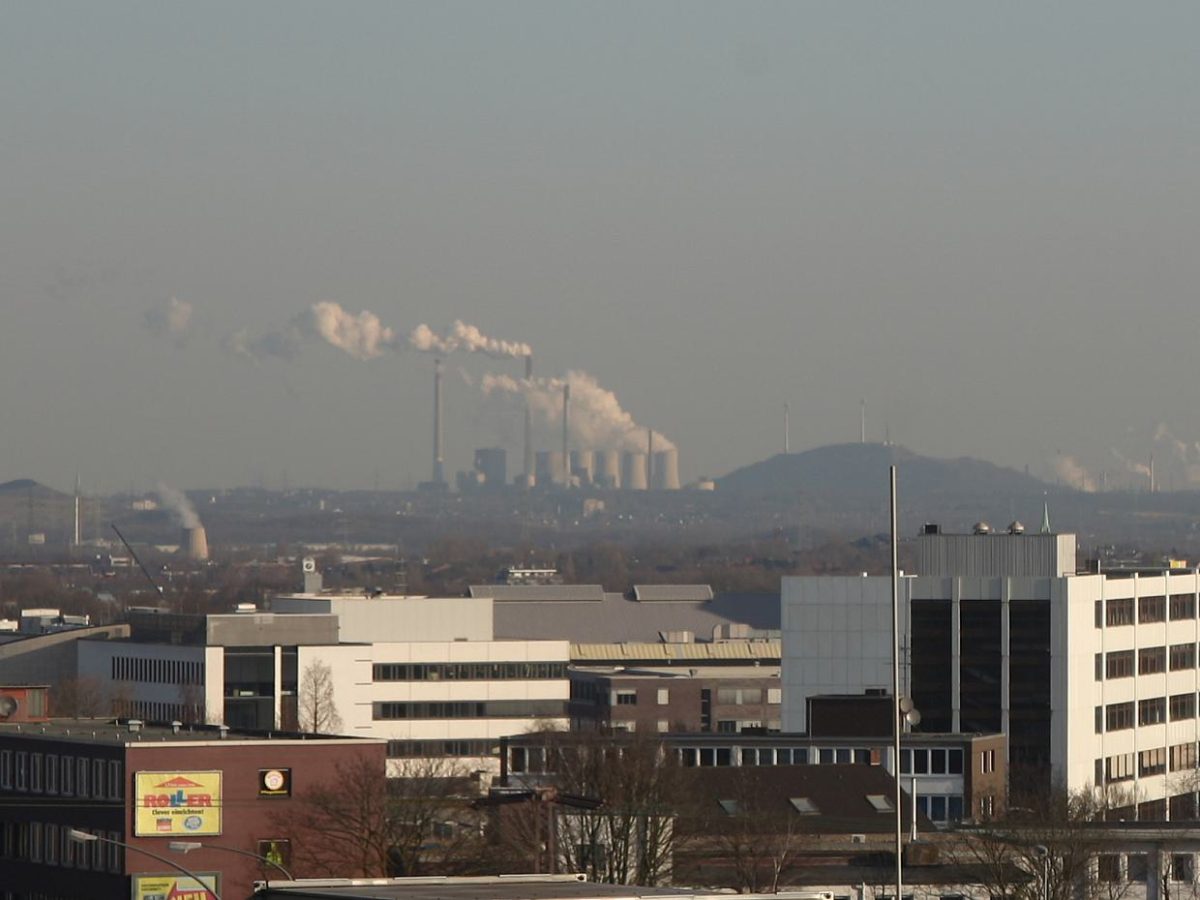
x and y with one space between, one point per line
596 419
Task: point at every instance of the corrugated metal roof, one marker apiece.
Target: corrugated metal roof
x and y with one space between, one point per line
724 650
659 593
539 593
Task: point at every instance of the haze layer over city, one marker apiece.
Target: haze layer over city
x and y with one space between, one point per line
226 224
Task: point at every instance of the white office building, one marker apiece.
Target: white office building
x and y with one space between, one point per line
422 673
1093 677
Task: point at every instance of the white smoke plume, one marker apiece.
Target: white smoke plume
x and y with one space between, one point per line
1132 465
465 338
364 336
179 505
597 420
1071 472
171 318
1163 435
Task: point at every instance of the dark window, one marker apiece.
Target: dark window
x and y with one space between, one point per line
1108 867
1183 656
981 663
626 698
932 663
1118 612
1183 758
1152 609
1183 867
1183 606
1182 706
1153 711
1119 664
466 709
1152 660
1118 716
1137 867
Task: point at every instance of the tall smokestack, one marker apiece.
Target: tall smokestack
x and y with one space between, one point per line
439 468
862 426
787 431
566 451
529 478
649 457
75 533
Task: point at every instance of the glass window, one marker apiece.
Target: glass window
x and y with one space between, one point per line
955 762
937 762
1183 867
1137 868
1108 867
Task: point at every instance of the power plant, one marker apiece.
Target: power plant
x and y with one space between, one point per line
194 541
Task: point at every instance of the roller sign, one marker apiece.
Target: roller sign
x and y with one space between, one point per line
170 804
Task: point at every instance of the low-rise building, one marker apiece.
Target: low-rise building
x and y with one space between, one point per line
137 788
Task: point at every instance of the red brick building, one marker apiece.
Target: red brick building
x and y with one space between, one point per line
148 786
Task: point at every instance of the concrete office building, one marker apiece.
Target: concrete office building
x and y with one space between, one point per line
1092 676
422 673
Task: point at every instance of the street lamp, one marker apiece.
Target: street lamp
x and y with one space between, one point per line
86 837
188 846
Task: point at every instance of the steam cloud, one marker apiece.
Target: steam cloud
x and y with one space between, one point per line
169 319
364 336
179 505
1069 470
465 338
597 419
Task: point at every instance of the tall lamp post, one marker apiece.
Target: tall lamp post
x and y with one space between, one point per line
896 688
188 846
86 837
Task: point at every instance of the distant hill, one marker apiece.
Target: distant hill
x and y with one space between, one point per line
858 472
27 487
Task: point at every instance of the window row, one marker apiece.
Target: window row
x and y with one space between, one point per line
941 809
157 671
469 709
62 776
1146 661
427 749
51 845
475 671
1180 867
1156 608
1153 711
1145 763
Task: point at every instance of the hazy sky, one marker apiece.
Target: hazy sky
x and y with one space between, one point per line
980 217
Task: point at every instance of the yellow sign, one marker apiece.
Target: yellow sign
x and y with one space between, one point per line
174 887
177 803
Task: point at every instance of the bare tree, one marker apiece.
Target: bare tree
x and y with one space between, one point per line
82 697
317 711
361 823
628 835
1049 850
754 831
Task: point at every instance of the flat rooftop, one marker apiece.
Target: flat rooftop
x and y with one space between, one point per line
119 732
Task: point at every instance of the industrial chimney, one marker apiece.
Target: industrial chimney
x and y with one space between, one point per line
530 479
439 467
566 452
633 471
607 468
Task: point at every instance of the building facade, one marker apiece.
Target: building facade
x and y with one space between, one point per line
146 787
1093 677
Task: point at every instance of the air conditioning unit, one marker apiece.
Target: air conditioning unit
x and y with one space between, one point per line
8 705
858 838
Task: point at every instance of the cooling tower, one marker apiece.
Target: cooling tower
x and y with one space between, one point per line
549 468
666 470
195 543
606 470
582 465
633 471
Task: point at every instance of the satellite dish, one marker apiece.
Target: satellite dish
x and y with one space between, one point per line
913 717
309 564
8 706
906 704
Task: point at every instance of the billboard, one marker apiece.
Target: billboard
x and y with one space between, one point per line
177 803
175 887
